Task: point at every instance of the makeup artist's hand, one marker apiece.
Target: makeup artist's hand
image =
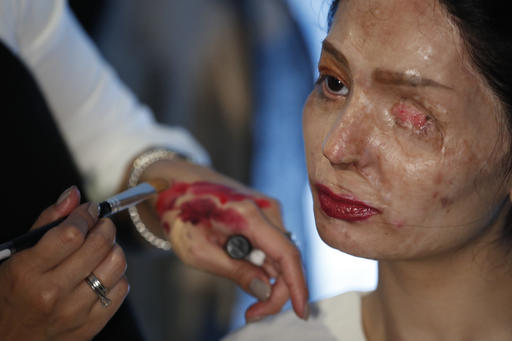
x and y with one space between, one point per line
43 294
207 212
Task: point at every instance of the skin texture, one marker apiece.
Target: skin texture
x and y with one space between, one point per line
362 143
44 295
401 121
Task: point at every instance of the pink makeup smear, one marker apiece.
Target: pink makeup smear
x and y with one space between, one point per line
203 210
408 115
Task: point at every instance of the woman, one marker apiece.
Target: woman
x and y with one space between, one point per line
408 145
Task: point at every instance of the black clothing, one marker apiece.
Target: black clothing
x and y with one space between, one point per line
38 167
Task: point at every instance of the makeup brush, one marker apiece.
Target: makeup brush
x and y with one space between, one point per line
113 205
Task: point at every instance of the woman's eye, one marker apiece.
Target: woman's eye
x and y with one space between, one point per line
334 86
410 117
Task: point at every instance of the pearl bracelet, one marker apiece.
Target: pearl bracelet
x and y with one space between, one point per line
139 165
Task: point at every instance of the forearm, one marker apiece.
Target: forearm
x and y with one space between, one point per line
101 120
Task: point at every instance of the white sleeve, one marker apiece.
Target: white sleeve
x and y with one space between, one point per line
102 122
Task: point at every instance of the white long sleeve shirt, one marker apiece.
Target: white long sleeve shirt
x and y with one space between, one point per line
101 121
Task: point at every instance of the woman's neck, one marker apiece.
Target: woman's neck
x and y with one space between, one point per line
464 295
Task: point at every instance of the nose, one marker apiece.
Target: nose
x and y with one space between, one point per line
349 137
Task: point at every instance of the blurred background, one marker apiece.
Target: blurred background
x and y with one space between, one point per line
236 74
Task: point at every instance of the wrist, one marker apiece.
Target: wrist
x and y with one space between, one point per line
151 163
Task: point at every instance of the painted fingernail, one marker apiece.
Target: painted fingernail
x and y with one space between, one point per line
64 195
260 289
305 312
93 209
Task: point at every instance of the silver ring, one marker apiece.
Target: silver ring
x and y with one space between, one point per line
99 289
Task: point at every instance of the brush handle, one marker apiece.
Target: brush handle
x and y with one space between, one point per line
115 204
28 239
31 238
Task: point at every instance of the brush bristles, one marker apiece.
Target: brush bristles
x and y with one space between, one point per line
158 184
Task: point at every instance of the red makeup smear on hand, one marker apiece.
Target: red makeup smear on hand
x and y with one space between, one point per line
204 210
408 114
167 227
167 198
224 193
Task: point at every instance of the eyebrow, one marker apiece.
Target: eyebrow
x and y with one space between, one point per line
329 48
405 78
386 76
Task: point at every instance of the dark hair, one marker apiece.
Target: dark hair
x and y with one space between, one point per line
485 28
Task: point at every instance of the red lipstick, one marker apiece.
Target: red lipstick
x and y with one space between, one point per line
343 208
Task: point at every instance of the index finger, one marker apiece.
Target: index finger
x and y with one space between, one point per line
271 240
64 239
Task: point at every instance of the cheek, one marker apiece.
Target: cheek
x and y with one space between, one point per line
313 129
448 191
411 188
307 119
410 195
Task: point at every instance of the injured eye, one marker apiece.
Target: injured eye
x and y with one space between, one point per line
409 116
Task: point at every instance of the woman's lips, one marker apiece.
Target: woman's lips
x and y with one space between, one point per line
343 208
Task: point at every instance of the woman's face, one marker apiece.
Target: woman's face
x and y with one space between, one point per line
404 141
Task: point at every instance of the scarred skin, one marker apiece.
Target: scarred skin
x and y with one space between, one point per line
361 145
401 121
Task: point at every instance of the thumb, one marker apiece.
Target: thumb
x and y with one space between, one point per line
66 202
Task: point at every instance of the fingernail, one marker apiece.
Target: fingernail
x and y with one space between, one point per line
93 210
64 195
305 312
254 319
260 289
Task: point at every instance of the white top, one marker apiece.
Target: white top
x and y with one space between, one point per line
101 120
336 318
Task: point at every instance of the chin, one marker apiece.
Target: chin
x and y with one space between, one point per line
371 239
348 237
